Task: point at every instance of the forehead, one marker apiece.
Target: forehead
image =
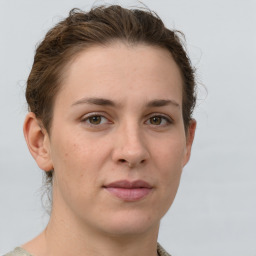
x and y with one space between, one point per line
119 69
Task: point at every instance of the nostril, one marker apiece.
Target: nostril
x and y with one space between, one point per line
122 160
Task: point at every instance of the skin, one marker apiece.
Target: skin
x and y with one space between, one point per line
138 133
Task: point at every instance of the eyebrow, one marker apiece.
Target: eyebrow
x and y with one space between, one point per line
162 103
107 102
95 101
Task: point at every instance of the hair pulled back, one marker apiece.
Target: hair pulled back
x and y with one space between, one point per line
100 26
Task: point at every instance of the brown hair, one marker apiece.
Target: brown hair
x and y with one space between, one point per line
100 26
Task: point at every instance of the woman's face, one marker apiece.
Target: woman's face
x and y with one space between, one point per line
117 141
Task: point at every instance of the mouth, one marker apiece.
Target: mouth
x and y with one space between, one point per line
129 190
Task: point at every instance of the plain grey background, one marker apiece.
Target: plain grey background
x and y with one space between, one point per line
214 212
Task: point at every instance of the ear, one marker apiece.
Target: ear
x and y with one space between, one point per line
189 140
38 142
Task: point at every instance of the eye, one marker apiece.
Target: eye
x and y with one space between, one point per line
159 120
95 120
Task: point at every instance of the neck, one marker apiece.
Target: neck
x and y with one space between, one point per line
65 236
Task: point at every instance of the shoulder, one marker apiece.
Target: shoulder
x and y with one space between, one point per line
161 251
18 251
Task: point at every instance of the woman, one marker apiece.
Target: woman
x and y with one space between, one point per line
111 95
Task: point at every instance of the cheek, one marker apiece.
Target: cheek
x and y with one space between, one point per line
77 159
171 154
72 149
169 160
74 174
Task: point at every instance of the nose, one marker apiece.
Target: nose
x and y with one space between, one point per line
130 147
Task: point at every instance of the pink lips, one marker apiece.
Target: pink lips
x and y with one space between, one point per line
129 191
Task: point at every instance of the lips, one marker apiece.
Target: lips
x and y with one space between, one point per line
129 190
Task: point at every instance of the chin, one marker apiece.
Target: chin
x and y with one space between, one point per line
131 223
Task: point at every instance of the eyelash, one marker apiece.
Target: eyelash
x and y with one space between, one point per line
86 120
168 120
92 115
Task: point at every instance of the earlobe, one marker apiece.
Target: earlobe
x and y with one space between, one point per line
190 139
38 142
